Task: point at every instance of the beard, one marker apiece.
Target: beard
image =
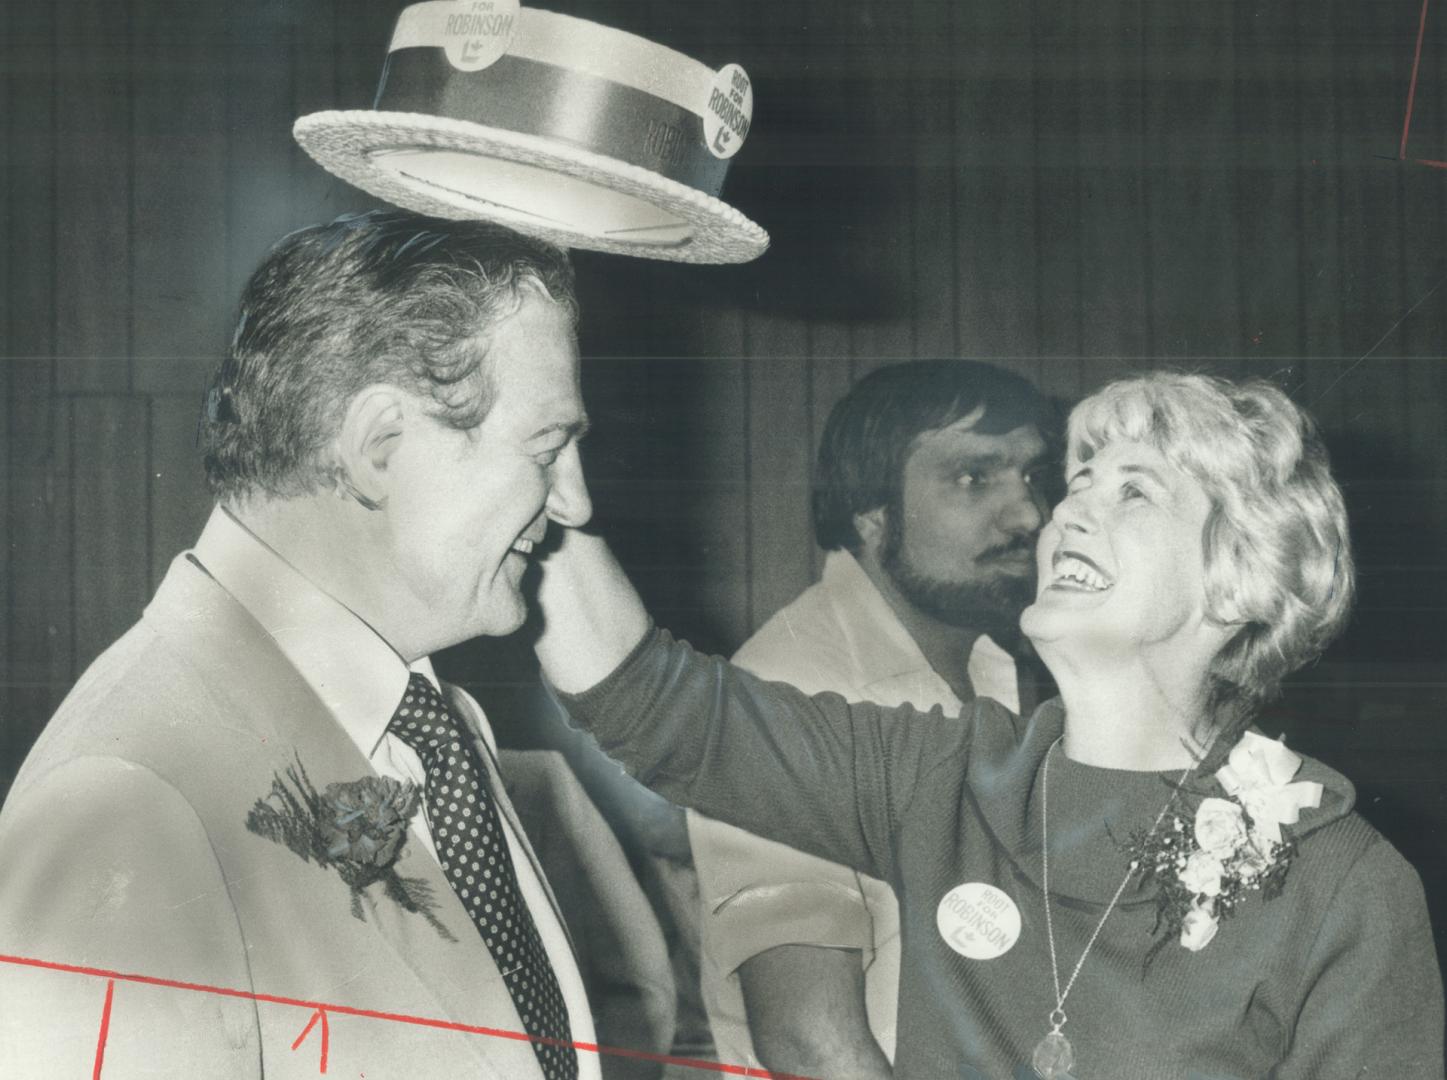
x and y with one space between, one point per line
991 605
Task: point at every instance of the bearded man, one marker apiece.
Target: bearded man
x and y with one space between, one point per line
927 498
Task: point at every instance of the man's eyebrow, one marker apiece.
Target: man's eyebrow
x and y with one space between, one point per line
575 429
978 459
981 459
993 458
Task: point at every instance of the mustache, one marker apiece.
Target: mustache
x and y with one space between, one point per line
1010 549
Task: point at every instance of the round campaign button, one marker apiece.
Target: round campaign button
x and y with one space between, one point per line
477 32
729 112
978 921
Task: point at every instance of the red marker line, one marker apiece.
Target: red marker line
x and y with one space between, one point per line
322 1008
105 1027
306 1030
1412 88
320 1014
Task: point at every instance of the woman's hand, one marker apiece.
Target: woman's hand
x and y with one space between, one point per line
592 617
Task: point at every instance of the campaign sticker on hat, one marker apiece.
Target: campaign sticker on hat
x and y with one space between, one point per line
978 921
729 112
478 32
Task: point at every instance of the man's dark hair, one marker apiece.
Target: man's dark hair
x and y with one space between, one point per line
871 432
381 297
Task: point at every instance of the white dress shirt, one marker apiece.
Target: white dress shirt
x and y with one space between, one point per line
361 680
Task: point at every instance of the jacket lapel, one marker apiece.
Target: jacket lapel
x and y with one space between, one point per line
256 688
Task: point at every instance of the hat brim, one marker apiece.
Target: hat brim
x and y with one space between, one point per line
569 196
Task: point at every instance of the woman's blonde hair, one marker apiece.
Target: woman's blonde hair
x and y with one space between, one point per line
1277 554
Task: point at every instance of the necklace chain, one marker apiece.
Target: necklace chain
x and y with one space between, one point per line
1057 1014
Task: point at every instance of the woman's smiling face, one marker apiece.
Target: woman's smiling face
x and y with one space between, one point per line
1121 561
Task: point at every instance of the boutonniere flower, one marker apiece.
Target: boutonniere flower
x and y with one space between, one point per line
358 828
1205 863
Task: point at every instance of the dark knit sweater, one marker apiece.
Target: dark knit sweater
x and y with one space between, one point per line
1336 977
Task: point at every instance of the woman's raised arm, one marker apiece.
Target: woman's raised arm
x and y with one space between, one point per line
592 616
819 774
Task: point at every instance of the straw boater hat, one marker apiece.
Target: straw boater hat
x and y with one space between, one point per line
558 127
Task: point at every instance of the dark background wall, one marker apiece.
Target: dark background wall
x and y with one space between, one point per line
1072 189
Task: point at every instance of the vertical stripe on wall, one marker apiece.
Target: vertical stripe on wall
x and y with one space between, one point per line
94 148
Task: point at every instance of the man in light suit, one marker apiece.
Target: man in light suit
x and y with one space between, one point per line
261 791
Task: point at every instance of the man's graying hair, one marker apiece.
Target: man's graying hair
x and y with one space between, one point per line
382 297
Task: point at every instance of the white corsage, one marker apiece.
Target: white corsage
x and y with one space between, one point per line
1257 774
1205 863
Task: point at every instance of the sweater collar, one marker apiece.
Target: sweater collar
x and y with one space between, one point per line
1092 809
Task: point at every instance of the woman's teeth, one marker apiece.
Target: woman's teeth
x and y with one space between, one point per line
1079 573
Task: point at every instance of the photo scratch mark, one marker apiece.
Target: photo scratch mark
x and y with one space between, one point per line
1390 331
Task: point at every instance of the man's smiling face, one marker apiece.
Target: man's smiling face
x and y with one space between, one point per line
471 505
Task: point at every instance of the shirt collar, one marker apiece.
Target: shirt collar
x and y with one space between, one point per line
357 675
889 651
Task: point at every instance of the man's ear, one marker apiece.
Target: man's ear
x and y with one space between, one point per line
871 526
372 430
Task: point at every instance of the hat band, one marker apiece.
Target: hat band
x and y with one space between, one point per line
530 97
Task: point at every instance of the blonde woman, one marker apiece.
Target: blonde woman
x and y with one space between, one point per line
1132 882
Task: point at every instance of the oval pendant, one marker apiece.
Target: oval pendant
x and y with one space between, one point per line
1053 1058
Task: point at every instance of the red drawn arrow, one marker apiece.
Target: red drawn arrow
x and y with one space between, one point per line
319 1010
320 1014
105 1027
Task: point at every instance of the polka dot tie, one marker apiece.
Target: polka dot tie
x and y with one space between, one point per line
473 851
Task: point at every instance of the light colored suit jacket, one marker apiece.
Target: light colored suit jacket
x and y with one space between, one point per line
123 847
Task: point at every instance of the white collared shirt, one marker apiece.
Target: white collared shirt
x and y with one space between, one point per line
361 680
